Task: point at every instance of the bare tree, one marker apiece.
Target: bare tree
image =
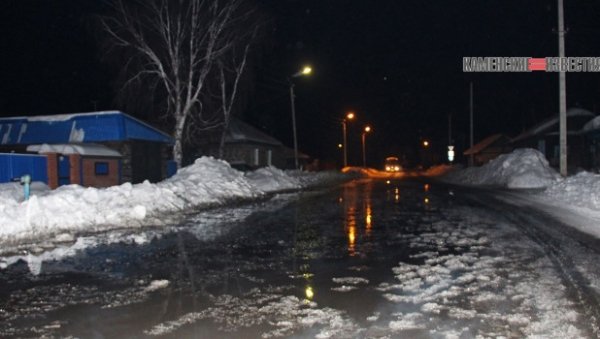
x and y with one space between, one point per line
173 46
228 93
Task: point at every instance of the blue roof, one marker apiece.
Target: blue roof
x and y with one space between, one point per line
77 127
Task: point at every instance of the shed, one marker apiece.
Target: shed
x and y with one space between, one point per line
144 151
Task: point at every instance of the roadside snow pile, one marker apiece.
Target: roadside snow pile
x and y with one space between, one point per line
438 170
74 208
271 179
523 168
11 190
308 179
209 181
581 190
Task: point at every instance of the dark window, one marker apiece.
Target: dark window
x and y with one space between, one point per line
101 168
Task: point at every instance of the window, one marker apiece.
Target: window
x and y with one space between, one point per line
256 157
101 168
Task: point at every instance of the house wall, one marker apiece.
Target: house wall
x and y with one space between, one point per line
593 147
576 151
142 160
90 177
244 154
247 154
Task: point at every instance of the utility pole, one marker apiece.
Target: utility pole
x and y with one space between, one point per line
294 126
449 129
471 159
562 92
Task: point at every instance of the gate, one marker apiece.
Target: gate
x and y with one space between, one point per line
14 165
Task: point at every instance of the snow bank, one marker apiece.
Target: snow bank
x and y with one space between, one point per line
74 208
271 179
579 195
523 168
582 190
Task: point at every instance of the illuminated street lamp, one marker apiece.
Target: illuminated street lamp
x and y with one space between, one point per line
364 153
348 117
304 71
425 143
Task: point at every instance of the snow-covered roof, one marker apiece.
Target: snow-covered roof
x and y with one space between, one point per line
548 124
483 144
59 117
83 149
240 131
77 127
592 125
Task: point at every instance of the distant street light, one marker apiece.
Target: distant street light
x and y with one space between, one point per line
304 71
348 117
425 143
364 152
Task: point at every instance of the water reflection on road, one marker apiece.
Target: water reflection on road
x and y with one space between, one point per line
367 259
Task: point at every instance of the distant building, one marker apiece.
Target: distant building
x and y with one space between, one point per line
591 133
90 149
489 148
246 147
545 138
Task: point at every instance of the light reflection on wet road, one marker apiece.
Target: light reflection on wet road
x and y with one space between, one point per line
367 259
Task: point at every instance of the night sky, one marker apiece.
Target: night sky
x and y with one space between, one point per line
396 64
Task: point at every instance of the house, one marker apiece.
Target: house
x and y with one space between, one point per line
90 149
591 132
489 148
545 138
246 147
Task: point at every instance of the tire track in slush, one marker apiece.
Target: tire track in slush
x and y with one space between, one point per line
534 225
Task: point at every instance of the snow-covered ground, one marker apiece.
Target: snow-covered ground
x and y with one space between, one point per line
575 199
58 214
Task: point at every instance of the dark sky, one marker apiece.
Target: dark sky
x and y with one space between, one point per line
396 64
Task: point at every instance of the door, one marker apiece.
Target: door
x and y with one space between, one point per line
64 170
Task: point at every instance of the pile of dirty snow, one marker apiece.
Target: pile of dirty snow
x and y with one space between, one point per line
271 179
523 168
73 208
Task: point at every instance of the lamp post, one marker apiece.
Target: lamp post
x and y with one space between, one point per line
347 118
364 152
304 71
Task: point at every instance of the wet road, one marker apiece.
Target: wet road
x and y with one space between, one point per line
368 259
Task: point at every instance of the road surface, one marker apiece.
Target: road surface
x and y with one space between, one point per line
367 259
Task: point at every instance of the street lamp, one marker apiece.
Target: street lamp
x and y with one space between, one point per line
364 152
306 70
347 118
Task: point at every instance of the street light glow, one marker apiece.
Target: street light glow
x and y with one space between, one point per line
425 143
306 70
350 116
367 129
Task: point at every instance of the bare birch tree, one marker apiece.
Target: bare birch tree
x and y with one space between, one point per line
173 46
228 93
